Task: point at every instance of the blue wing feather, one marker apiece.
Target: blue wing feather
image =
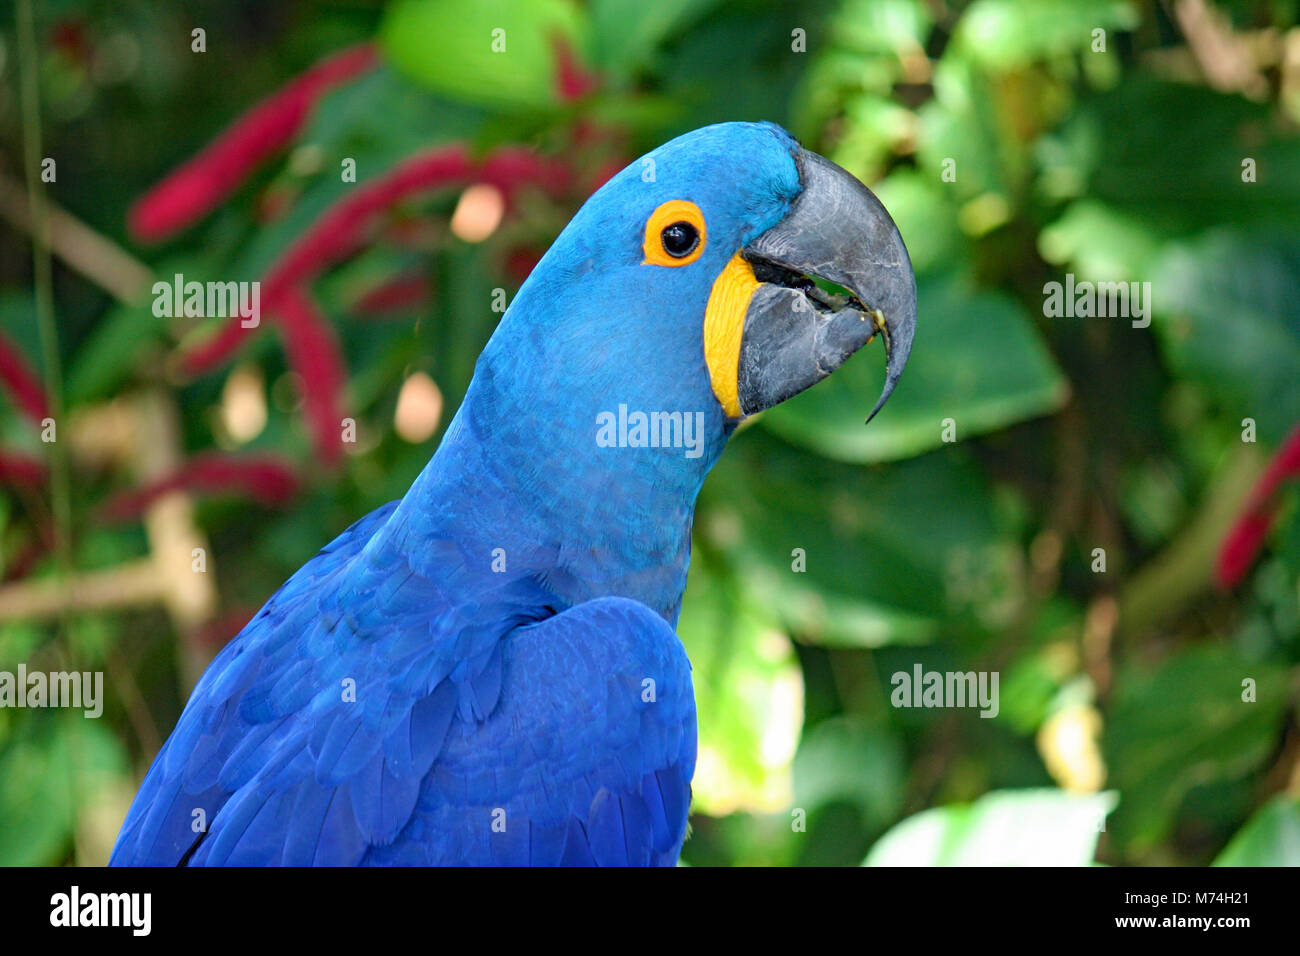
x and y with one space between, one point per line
476 734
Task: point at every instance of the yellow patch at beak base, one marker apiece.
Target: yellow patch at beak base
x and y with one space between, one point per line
724 324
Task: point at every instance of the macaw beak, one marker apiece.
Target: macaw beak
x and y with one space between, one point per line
795 334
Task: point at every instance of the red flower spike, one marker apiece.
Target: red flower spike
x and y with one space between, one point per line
212 352
520 262
263 478
605 172
220 631
197 187
1242 545
69 37
19 470
313 353
22 563
21 382
343 227
402 294
511 169
572 80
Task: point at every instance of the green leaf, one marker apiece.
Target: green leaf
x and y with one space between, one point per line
926 218
851 556
1101 243
874 126
1229 316
47 776
1182 176
37 815
881 26
1270 838
847 759
18 641
112 351
1004 828
626 32
759 72
1005 34
382 117
960 134
748 695
448 47
1183 724
976 360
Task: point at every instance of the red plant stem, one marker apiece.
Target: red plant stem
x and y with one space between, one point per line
313 352
21 471
572 81
220 631
197 187
22 383
261 478
407 291
344 226
1243 543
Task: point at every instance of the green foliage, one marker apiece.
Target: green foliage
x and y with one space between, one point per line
1184 725
467 51
1234 302
1271 838
850 760
1003 828
52 772
954 368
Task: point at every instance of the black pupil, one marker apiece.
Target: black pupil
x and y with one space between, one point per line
680 239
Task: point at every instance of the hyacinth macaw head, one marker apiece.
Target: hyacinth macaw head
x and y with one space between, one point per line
720 274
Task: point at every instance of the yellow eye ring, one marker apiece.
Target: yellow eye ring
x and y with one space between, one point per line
674 234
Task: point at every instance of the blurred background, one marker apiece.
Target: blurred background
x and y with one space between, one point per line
1096 512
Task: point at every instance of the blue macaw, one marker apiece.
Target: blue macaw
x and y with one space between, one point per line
486 671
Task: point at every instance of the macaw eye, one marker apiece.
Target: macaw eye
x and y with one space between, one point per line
680 239
674 234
